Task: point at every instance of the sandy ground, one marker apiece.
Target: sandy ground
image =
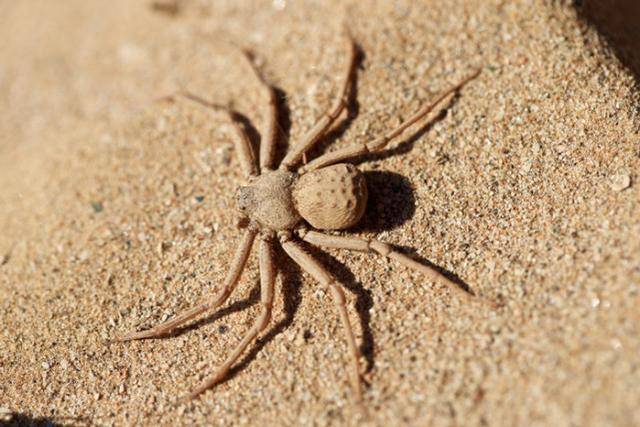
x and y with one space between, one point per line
117 212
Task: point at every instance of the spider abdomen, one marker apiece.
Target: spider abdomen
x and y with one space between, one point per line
331 198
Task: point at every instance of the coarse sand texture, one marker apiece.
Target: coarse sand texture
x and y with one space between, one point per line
118 211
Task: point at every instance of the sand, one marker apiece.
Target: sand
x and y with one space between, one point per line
117 212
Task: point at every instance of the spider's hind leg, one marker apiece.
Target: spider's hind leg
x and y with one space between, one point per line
318 272
381 248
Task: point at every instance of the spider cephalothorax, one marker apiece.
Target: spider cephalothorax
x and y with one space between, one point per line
267 200
325 194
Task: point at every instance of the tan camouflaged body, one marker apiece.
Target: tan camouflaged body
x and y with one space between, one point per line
331 198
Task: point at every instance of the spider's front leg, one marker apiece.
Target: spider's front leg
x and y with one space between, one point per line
324 124
359 149
241 140
269 136
237 266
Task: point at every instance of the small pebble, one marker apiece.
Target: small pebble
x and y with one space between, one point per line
620 182
162 247
84 255
97 207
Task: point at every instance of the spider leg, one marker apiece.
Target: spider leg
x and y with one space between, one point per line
295 153
268 144
375 246
378 144
318 272
267 279
237 265
241 140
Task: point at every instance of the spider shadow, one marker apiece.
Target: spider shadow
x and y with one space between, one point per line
392 199
282 122
283 118
390 204
250 130
283 125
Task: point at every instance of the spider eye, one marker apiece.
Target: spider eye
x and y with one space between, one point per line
244 198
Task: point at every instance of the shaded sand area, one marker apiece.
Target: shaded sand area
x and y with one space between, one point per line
117 211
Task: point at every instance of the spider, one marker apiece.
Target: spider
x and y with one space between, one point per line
277 205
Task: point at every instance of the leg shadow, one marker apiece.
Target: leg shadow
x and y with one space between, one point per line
407 145
364 301
249 128
283 125
446 273
253 298
353 109
291 295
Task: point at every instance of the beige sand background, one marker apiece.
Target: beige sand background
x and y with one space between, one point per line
117 212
